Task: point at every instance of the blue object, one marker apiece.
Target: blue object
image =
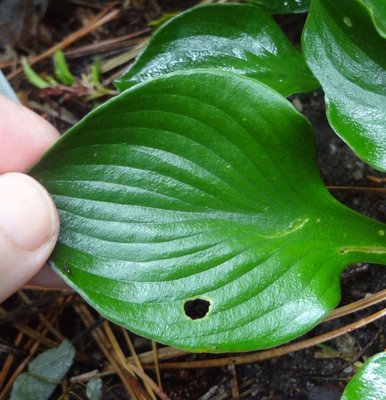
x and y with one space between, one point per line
6 89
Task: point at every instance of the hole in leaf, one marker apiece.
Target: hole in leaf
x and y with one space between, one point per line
197 308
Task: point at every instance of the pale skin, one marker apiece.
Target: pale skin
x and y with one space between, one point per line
29 222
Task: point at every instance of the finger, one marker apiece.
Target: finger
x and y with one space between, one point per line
24 136
29 226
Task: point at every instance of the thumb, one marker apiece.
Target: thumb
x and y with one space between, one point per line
29 227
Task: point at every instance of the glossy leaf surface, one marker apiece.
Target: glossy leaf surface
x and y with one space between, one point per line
369 383
378 13
192 212
239 38
283 6
348 56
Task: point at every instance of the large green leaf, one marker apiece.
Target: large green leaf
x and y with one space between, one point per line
348 57
192 212
234 37
378 13
283 6
369 383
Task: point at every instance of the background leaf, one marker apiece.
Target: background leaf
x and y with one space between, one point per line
44 373
62 72
348 56
378 13
369 383
94 389
235 37
32 77
193 213
283 6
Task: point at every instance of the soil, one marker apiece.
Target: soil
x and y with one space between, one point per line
312 374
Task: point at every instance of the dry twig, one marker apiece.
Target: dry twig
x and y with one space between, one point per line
127 379
100 19
276 352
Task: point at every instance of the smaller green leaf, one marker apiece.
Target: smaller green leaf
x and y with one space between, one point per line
369 383
32 77
96 74
157 23
50 80
62 72
283 6
238 38
94 389
348 56
378 13
44 373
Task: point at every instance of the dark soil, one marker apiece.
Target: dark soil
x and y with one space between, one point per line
303 375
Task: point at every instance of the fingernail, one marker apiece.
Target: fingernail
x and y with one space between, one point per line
28 216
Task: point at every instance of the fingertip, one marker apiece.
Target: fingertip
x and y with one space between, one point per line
27 213
29 227
24 136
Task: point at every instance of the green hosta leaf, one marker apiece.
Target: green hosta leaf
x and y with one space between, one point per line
62 72
32 77
283 6
96 74
192 212
44 373
235 37
348 57
378 13
156 23
369 383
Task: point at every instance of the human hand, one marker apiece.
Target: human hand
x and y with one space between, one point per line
29 222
